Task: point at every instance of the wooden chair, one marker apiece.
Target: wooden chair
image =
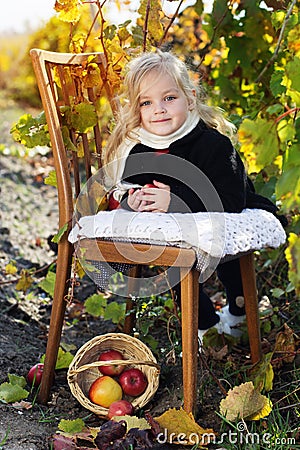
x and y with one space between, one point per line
59 85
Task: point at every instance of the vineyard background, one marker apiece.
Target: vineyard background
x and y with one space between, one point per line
246 54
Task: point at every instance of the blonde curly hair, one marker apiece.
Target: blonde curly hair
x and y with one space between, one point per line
128 117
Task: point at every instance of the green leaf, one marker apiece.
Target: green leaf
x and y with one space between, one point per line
16 380
71 426
11 393
277 292
293 70
275 83
60 233
51 179
262 374
259 143
95 305
292 254
64 359
48 283
115 312
83 117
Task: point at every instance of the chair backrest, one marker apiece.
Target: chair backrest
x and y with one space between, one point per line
72 88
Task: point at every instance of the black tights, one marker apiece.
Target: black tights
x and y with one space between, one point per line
230 275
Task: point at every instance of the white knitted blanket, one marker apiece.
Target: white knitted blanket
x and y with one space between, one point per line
216 234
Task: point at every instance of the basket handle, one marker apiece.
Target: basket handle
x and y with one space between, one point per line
121 362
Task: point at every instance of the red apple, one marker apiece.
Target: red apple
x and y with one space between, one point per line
112 202
120 408
133 382
149 185
34 375
111 369
104 391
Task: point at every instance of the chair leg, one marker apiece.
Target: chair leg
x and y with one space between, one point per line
129 321
251 305
189 317
63 269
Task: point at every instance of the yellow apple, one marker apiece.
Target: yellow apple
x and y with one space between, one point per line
104 391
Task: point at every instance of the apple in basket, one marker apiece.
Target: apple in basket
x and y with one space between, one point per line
104 391
133 382
120 408
111 369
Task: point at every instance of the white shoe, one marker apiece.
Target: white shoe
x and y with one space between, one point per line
230 321
220 327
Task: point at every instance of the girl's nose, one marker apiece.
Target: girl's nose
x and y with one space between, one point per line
159 108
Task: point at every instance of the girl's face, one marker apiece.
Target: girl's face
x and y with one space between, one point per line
163 106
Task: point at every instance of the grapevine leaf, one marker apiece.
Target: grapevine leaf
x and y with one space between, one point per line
48 283
180 423
275 83
285 344
68 10
11 393
95 305
243 402
154 22
16 380
262 374
25 281
259 143
60 233
10 268
83 117
63 443
51 179
71 426
114 312
293 70
133 422
64 359
292 254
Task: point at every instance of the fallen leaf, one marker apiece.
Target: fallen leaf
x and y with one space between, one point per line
22 405
285 344
181 427
133 422
262 374
244 402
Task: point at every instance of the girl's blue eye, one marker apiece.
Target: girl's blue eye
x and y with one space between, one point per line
145 103
169 98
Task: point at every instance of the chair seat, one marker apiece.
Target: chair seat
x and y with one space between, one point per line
214 237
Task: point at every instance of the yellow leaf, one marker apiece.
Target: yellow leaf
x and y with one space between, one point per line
181 427
133 422
243 402
292 254
25 281
264 412
68 10
10 268
262 374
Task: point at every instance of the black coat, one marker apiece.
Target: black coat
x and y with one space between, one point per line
212 158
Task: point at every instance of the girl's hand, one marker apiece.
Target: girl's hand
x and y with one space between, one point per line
133 199
155 199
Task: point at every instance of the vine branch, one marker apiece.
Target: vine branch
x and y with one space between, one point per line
170 24
145 28
276 51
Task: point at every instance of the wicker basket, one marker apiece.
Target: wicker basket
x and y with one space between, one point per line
84 369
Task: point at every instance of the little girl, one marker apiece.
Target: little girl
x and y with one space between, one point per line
163 116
